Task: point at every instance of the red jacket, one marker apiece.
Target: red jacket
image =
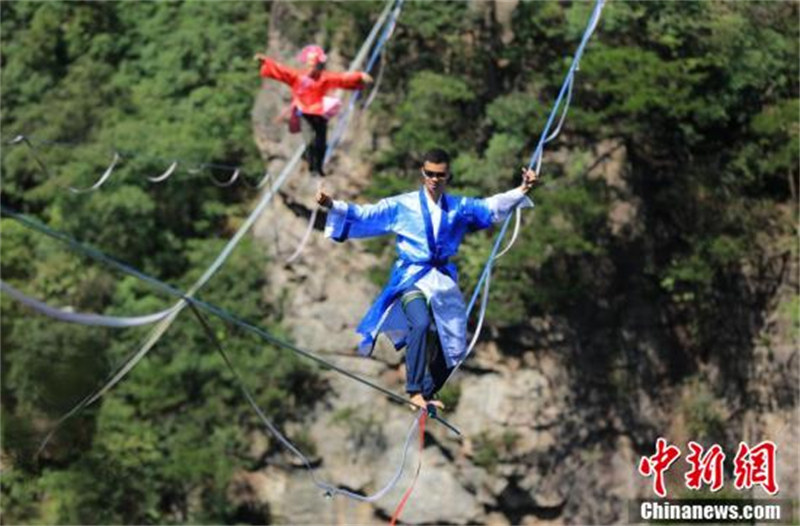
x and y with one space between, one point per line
307 92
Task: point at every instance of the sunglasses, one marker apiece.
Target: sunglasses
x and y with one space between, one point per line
430 174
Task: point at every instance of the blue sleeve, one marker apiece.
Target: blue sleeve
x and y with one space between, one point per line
476 214
481 213
359 221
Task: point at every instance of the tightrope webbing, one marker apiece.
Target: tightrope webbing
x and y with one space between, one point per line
345 117
329 489
117 322
163 325
373 34
378 81
545 137
194 304
306 235
155 335
187 300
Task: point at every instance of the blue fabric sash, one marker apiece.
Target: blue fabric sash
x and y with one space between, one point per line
434 244
397 286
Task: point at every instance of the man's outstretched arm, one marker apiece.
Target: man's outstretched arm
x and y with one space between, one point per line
500 205
348 220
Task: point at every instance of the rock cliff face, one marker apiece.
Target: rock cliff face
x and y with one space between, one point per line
541 444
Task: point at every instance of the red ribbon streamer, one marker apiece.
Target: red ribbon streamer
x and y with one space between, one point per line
423 417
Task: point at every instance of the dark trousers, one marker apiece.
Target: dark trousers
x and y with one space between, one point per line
316 149
426 369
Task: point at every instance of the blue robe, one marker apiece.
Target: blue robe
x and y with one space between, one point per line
421 255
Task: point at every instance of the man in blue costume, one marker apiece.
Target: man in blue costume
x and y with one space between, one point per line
429 225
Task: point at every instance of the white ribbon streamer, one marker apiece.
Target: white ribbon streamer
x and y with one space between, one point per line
165 175
102 179
117 322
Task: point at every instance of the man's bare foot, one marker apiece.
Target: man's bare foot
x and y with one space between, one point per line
419 402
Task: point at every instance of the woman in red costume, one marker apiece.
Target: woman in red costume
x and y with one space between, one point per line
309 88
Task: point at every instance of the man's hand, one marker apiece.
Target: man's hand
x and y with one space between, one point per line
366 78
260 57
529 180
322 198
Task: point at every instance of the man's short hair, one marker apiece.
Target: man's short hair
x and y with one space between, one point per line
436 156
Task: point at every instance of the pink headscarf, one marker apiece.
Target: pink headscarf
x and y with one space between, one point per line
312 52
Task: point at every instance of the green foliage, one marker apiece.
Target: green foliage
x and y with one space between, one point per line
430 112
495 170
490 449
702 412
304 441
486 453
176 428
148 81
450 395
363 431
791 310
516 113
700 97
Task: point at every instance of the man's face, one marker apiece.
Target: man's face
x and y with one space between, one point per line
434 177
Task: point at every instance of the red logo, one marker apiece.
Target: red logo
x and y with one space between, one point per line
705 468
756 466
658 464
